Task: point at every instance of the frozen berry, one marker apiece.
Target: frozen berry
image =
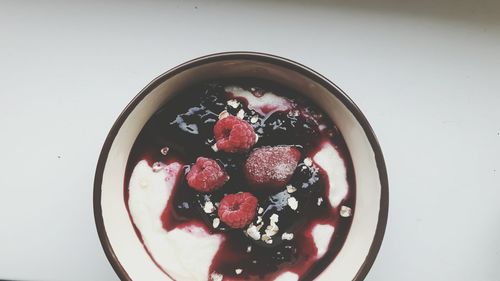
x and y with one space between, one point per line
206 175
234 135
238 210
271 167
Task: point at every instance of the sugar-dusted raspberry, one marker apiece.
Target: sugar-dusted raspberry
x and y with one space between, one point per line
206 175
271 167
234 135
238 210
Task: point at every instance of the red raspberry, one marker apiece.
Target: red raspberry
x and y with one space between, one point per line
206 175
238 210
271 167
234 135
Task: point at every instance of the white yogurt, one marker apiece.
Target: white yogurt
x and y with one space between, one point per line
148 196
328 158
265 104
287 276
322 234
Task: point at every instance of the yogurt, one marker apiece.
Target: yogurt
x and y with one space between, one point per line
265 104
329 159
149 193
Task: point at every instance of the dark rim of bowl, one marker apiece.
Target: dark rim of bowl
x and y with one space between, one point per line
261 57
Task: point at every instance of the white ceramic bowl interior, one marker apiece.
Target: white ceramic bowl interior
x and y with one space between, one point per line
117 229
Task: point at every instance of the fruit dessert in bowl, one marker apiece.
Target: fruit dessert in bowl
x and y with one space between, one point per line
241 166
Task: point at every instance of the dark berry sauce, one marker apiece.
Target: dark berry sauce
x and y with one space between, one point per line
185 126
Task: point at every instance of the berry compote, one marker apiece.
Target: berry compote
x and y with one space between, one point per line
297 166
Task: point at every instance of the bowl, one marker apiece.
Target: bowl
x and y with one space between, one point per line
122 246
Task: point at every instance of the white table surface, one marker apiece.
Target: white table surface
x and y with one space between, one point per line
425 73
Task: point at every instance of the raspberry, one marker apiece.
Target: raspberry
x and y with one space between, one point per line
237 210
271 167
206 175
234 135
